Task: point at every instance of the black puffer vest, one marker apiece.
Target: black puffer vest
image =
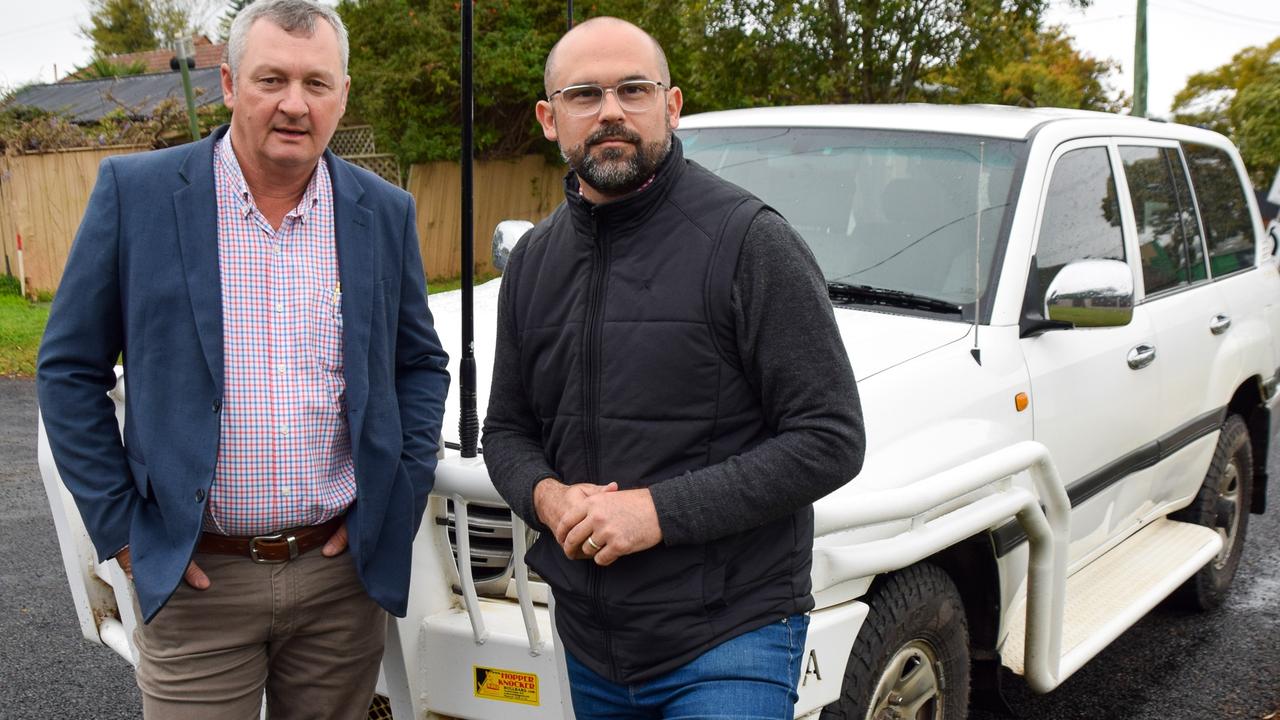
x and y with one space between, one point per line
627 343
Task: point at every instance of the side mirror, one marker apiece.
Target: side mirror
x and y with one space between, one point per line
1091 293
505 237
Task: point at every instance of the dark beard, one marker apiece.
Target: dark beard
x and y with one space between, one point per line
611 171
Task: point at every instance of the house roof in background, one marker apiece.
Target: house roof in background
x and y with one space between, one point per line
208 54
90 100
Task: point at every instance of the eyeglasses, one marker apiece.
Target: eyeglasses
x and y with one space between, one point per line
633 95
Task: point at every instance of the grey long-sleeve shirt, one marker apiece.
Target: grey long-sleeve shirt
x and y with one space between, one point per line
792 355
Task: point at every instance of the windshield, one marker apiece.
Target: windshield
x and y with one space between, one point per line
902 211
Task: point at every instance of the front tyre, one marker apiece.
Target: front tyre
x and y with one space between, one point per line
1222 505
910 660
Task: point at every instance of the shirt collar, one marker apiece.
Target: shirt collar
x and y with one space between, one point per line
310 197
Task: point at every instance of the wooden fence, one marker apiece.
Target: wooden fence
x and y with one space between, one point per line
525 189
42 198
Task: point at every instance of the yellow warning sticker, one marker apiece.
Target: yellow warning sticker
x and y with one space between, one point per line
506 685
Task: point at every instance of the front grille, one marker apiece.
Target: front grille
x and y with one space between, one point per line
380 708
491 546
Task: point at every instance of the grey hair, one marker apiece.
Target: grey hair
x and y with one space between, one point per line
292 16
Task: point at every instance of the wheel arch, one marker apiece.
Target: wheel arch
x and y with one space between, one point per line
971 565
1248 402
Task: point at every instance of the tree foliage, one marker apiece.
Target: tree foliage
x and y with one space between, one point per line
117 27
1241 100
120 26
405 57
224 23
1041 69
101 67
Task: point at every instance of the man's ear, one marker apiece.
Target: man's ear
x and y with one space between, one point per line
675 101
228 87
547 118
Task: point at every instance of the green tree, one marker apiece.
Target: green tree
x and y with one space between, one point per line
224 23
1258 126
724 53
120 26
1040 69
405 70
1241 100
751 52
105 68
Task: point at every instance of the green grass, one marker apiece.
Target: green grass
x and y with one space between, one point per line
438 286
21 325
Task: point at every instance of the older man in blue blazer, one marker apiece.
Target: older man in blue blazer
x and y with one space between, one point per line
284 390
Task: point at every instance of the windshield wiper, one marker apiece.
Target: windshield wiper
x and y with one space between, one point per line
868 295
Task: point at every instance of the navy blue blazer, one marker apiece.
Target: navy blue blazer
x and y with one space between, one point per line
142 279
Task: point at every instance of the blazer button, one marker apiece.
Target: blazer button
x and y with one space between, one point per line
199 495
217 405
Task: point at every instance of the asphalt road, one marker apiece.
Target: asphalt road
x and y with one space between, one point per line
1171 666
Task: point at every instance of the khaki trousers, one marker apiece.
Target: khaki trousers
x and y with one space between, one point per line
304 632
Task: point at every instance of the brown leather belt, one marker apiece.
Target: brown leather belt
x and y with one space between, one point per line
276 548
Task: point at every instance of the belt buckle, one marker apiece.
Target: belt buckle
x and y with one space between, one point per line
253 548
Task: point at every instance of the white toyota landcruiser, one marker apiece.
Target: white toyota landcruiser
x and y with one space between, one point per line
1065 328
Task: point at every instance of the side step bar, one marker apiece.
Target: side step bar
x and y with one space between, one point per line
1113 592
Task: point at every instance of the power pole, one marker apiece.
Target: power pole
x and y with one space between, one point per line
1140 63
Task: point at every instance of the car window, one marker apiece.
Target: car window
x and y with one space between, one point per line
922 213
1160 216
1196 269
1081 215
1223 208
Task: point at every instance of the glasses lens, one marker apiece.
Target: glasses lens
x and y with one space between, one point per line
582 99
637 94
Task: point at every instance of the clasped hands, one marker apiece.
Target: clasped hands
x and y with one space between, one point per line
597 522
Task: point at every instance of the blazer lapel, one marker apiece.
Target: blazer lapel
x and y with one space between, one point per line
352 222
196 209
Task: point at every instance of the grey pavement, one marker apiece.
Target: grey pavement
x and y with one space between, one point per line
47 670
1172 665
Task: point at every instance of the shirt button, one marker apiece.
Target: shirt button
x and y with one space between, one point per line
285 491
199 495
281 368
279 307
284 429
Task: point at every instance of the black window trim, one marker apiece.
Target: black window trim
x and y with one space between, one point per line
1208 264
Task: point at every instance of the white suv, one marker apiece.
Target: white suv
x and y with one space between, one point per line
1064 328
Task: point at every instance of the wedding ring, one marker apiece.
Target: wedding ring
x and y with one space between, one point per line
592 542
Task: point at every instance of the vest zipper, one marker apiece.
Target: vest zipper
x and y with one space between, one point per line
591 353
591 405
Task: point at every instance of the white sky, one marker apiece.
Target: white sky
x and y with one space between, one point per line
1183 37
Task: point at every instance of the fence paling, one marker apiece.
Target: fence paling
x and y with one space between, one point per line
528 188
43 197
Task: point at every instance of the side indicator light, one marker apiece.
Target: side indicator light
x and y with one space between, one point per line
1021 401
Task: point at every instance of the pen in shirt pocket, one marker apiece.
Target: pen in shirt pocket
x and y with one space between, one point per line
337 301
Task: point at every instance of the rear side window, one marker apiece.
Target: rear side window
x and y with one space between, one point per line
1166 223
1081 214
1223 208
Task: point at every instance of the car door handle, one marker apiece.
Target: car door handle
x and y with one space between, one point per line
1219 324
1141 356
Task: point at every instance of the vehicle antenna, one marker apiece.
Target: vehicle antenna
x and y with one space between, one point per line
976 352
468 420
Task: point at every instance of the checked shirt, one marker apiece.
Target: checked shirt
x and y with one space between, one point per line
284 454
